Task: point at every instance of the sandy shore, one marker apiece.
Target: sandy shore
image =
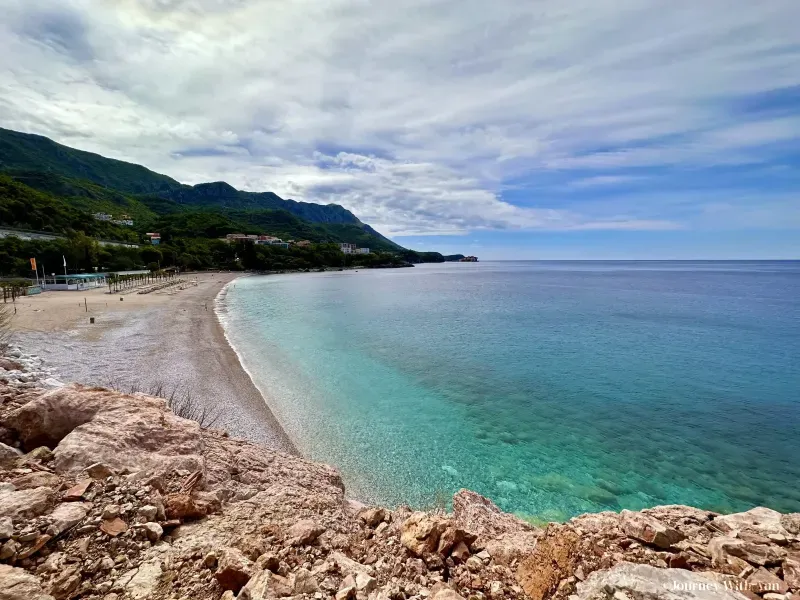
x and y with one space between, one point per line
172 338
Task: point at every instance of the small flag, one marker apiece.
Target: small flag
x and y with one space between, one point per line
65 260
33 264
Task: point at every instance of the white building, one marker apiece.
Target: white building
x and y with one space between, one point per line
363 251
102 216
348 248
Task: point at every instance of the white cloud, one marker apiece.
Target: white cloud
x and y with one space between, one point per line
418 116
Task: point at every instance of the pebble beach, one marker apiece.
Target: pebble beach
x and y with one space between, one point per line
170 339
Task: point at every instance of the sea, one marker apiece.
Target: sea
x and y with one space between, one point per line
553 388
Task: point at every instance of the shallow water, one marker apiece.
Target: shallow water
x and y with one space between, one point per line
554 388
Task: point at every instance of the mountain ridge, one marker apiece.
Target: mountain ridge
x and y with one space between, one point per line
26 153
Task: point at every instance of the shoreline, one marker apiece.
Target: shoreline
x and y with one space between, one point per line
176 340
219 306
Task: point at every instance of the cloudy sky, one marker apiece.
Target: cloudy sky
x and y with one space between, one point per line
535 128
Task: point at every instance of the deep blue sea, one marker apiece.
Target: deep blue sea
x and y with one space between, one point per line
554 388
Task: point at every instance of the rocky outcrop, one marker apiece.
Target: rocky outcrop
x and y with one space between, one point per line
627 580
18 584
750 552
128 501
648 529
505 537
25 504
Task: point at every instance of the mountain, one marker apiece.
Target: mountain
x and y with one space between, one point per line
28 152
95 183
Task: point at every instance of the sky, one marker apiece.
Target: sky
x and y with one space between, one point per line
508 129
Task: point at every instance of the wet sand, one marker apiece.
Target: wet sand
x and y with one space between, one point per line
172 338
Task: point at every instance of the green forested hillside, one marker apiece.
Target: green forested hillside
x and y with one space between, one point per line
22 152
24 208
27 152
87 196
48 187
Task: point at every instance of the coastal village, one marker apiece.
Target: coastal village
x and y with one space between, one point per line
269 240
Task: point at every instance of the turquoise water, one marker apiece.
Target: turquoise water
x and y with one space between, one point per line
554 388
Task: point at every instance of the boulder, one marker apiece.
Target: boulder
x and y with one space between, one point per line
91 425
372 515
346 593
346 565
420 533
154 531
762 581
38 544
183 506
451 536
304 532
6 528
66 516
256 587
791 570
268 561
460 552
764 521
36 479
66 583
233 569
446 593
648 529
365 583
99 471
144 581
791 523
553 559
114 527
110 511
720 548
148 512
627 580
18 584
305 582
482 517
7 364
26 504
7 453
77 491
506 537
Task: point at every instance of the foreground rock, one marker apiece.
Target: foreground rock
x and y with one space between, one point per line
641 581
116 498
18 584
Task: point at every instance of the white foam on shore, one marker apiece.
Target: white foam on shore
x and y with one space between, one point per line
221 311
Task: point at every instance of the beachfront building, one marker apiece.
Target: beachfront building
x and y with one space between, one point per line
348 248
77 282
